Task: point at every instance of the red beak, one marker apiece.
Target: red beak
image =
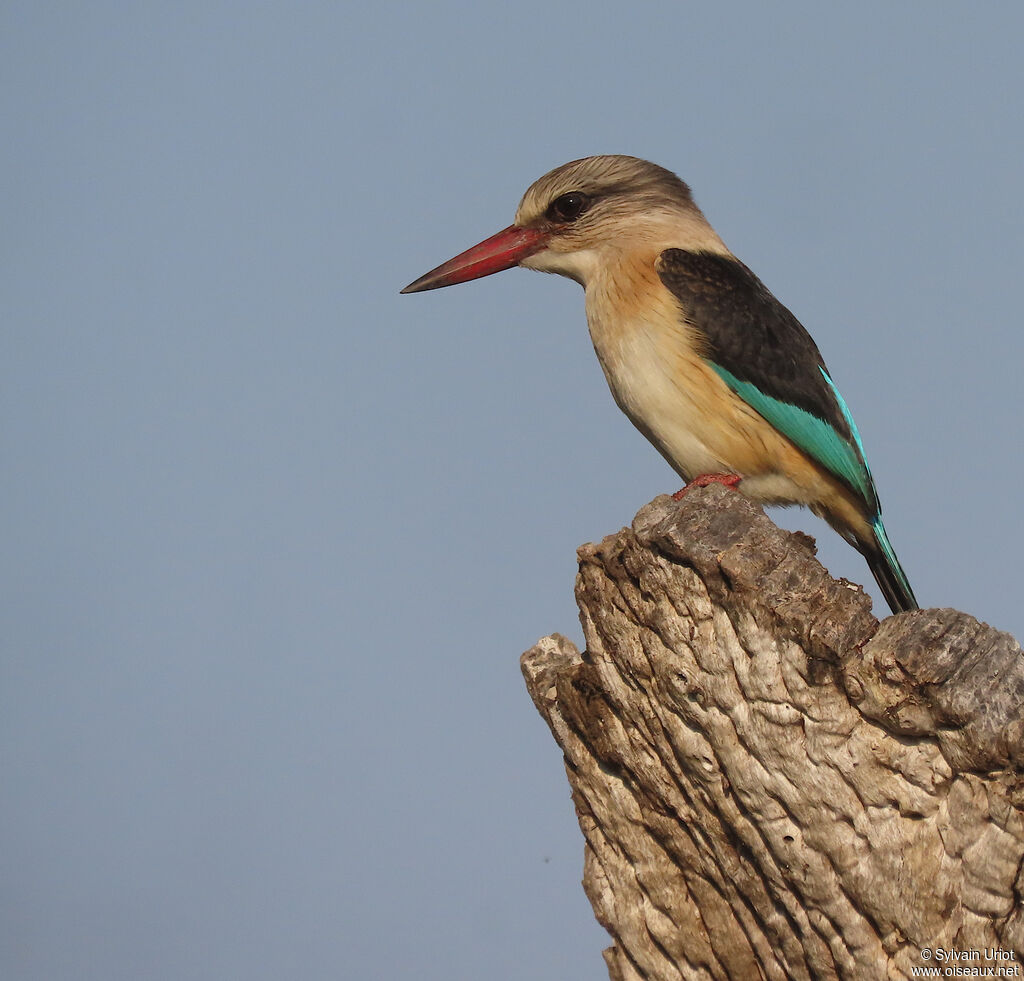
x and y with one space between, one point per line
502 251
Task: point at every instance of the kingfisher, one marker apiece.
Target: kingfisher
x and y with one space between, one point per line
702 358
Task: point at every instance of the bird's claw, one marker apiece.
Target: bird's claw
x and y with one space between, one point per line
725 479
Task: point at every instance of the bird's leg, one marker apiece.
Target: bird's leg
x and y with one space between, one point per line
725 479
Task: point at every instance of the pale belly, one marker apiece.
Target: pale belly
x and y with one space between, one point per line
687 412
662 406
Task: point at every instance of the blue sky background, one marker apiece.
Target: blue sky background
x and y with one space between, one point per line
275 536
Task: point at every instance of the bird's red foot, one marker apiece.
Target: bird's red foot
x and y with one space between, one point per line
725 479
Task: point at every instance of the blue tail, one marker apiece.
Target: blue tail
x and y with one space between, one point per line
888 572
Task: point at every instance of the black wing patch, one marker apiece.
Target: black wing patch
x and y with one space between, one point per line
749 333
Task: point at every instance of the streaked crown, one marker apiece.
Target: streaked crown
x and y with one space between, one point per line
619 183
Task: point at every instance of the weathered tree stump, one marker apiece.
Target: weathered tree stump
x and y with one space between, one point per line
770 782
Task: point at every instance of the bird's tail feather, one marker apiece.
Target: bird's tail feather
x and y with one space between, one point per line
888 572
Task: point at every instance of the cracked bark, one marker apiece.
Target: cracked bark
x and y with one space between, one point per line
770 782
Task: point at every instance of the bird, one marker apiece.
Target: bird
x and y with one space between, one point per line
705 362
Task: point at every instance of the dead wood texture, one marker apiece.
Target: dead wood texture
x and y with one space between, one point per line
771 783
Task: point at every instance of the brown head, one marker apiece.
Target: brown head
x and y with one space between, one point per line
582 214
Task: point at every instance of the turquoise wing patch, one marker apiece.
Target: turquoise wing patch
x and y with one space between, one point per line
813 435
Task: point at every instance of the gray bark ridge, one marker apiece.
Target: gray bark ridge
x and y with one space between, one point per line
770 782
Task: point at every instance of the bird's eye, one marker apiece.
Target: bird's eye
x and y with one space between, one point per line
568 207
